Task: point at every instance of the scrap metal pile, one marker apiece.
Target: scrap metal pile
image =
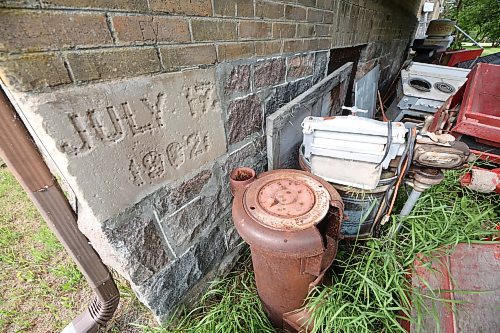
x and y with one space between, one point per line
352 170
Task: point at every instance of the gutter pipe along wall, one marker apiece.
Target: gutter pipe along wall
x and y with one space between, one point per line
22 157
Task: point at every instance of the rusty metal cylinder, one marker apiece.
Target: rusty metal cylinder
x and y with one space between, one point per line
291 220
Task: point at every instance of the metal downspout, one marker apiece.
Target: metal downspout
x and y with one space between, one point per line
23 158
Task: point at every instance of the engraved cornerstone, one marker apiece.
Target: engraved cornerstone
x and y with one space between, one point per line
116 142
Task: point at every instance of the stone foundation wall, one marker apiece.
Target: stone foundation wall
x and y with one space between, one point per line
143 107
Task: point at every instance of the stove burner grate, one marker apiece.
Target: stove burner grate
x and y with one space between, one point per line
420 84
444 87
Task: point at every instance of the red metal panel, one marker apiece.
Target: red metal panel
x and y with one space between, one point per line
455 57
479 115
468 278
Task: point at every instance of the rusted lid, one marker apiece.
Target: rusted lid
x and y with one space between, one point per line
287 200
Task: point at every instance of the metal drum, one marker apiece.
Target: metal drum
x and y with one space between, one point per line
362 208
291 220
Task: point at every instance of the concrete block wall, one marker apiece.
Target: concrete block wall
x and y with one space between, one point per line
144 107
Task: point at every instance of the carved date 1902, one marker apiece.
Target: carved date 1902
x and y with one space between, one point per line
152 165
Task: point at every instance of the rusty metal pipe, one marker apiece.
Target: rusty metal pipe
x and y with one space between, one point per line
25 161
240 178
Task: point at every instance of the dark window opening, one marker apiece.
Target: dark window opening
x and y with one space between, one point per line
338 58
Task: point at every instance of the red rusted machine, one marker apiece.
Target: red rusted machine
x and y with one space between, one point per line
291 220
473 113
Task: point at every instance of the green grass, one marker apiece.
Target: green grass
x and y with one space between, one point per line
34 271
230 306
370 291
41 289
487 48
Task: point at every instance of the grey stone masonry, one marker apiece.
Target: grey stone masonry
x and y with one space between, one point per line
143 107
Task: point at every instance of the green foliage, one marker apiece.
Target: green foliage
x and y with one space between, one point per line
373 292
370 292
480 18
230 306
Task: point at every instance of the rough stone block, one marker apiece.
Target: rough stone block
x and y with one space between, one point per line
34 72
284 30
134 5
37 30
134 135
238 80
295 13
320 63
269 72
170 285
268 47
175 57
301 65
184 226
258 30
135 238
270 10
208 30
171 199
232 51
150 29
285 93
117 63
244 118
192 7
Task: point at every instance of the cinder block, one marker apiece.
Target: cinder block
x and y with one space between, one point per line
293 45
310 3
322 30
